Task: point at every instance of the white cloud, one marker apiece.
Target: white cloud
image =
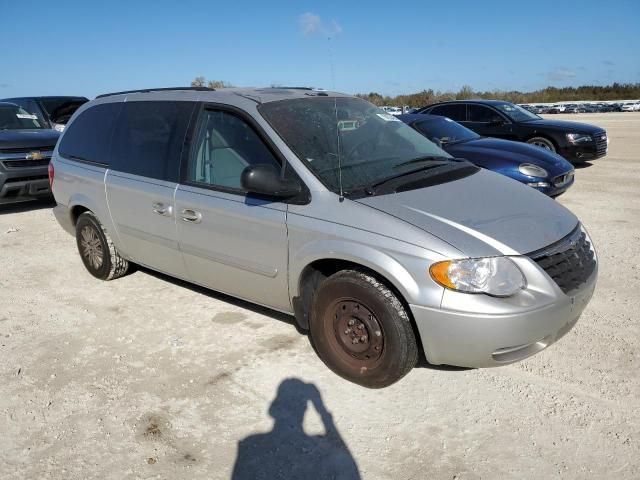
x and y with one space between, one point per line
312 24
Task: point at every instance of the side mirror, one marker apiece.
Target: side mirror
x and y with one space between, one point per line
437 141
264 179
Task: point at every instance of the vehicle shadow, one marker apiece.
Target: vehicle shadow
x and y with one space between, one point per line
28 206
282 317
287 451
582 165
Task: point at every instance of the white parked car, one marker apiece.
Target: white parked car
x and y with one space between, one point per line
630 107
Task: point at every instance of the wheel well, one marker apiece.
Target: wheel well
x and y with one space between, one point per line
76 212
316 272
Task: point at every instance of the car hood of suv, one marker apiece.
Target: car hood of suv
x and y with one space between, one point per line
485 214
569 127
37 138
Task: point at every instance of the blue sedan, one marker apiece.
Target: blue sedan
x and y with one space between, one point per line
534 166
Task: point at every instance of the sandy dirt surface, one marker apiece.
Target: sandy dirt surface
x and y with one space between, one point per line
147 377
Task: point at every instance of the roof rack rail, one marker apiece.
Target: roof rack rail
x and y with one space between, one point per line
147 90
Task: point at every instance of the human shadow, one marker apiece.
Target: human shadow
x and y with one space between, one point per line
287 452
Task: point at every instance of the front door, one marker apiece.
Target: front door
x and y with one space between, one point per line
488 122
231 242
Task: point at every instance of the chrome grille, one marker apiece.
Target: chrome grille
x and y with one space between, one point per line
569 262
601 143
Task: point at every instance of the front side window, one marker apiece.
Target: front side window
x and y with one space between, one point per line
225 145
348 142
16 118
517 113
482 114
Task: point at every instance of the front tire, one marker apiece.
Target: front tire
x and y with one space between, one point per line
361 331
542 142
97 250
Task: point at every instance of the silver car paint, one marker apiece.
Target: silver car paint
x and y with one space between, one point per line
258 251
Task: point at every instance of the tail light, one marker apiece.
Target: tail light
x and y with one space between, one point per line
52 173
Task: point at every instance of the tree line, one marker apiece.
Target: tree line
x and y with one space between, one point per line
615 91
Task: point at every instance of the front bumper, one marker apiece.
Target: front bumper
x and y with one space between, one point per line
20 184
490 340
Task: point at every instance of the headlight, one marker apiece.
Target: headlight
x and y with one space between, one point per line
579 137
532 170
497 276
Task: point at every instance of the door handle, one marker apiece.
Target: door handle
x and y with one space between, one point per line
162 209
189 215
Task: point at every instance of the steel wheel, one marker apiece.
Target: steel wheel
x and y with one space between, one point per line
357 334
91 247
361 331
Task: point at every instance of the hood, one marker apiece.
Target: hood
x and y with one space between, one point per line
38 138
497 153
574 127
485 214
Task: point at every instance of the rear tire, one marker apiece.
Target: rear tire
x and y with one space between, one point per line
542 142
361 331
98 253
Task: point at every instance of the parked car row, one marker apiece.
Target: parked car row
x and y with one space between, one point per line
599 107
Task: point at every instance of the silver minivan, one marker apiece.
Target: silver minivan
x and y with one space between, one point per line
325 207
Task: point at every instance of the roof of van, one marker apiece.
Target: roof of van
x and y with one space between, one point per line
258 95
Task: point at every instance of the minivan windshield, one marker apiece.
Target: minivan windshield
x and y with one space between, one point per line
350 142
517 113
15 118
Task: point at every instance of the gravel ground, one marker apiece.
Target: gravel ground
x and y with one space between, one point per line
147 377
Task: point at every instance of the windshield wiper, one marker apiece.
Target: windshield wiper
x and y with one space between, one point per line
428 158
370 189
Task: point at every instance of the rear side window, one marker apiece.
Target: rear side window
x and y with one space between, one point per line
88 137
148 139
455 111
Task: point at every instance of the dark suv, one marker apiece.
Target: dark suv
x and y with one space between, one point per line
26 146
52 112
577 142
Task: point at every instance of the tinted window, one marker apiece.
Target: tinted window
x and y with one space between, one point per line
455 111
480 113
88 137
148 138
224 147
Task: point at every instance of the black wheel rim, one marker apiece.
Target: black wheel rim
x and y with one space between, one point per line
355 332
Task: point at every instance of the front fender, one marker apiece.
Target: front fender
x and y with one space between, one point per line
376 260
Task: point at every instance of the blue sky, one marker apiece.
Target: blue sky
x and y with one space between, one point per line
88 48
